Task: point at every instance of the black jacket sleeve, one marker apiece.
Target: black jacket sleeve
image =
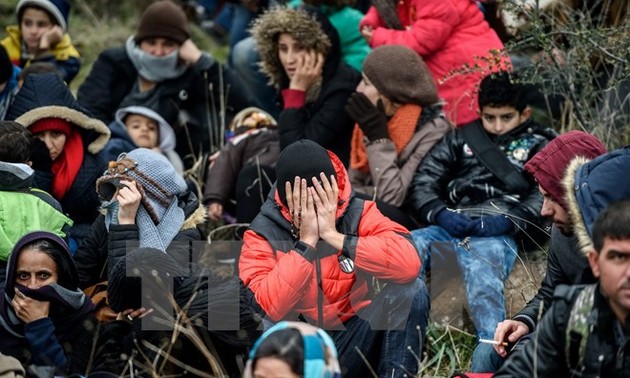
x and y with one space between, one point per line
43 180
322 127
543 355
106 84
121 239
553 277
565 266
430 180
92 257
92 254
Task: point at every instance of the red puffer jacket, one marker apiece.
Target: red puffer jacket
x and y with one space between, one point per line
285 284
448 34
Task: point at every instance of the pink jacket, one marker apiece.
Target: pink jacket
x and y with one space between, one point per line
448 34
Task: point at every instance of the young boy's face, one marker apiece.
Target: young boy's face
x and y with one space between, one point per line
502 119
35 22
142 130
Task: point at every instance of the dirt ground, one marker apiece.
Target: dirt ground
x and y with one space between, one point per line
448 303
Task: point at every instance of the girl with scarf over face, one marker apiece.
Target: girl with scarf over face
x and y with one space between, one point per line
67 160
300 53
161 68
399 118
45 319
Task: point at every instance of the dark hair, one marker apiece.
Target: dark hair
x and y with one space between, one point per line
285 344
59 256
502 89
20 14
16 142
612 223
39 68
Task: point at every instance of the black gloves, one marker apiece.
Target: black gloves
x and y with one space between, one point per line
371 119
40 156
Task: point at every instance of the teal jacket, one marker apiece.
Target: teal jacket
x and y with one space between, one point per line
24 209
346 20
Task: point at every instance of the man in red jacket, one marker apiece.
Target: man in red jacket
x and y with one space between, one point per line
311 255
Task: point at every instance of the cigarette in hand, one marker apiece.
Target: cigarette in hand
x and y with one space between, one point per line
493 342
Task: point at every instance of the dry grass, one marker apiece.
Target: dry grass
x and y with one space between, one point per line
450 339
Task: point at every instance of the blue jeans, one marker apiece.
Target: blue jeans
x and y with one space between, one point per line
485 359
235 19
390 330
484 263
244 61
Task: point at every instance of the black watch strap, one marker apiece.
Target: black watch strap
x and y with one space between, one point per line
308 252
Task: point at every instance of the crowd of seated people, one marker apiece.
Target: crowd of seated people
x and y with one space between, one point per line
348 162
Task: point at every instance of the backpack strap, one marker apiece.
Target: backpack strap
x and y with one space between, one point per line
579 327
492 157
350 220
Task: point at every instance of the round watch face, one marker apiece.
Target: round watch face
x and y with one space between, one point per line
346 264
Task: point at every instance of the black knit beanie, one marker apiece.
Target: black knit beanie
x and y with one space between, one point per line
163 19
303 158
401 75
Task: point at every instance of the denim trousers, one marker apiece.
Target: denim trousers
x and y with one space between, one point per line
484 264
390 331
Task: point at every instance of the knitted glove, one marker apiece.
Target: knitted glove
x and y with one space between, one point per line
40 156
494 225
371 119
456 224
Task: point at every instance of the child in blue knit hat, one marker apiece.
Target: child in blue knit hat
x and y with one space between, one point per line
42 36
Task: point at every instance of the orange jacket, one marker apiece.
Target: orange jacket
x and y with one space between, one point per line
285 284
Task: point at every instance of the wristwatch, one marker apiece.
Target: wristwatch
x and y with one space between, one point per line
305 250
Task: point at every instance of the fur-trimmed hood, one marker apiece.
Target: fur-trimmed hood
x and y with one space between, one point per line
308 26
591 185
47 96
196 219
